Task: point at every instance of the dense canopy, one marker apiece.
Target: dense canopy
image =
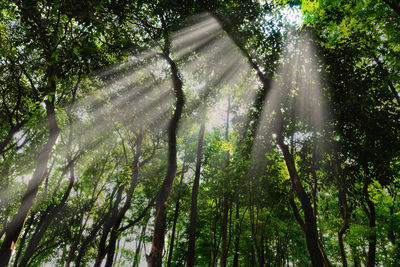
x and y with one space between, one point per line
200 133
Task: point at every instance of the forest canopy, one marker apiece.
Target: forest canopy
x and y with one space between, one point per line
200 133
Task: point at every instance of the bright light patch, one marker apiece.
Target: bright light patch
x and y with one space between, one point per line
292 15
284 18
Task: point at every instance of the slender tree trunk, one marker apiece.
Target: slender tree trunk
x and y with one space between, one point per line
111 247
392 234
356 258
195 191
75 244
121 214
155 257
176 215
14 129
372 235
370 212
47 219
172 242
102 248
224 231
213 234
136 260
224 228
342 188
14 228
237 234
341 232
53 210
90 238
77 239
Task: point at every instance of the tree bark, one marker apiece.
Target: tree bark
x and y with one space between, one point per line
155 257
195 191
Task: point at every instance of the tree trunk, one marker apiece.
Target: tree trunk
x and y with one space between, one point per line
136 260
21 244
342 188
310 225
195 191
14 129
176 215
14 228
372 235
237 235
90 238
356 258
279 259
155 257
77 239
224 225
317 255
224 246
49 216
102 248
121 214
370 212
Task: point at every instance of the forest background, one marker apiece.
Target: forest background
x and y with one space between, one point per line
200 133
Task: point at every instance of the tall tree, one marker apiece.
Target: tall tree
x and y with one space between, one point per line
190 261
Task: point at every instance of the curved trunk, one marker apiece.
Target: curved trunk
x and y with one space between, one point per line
155 257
